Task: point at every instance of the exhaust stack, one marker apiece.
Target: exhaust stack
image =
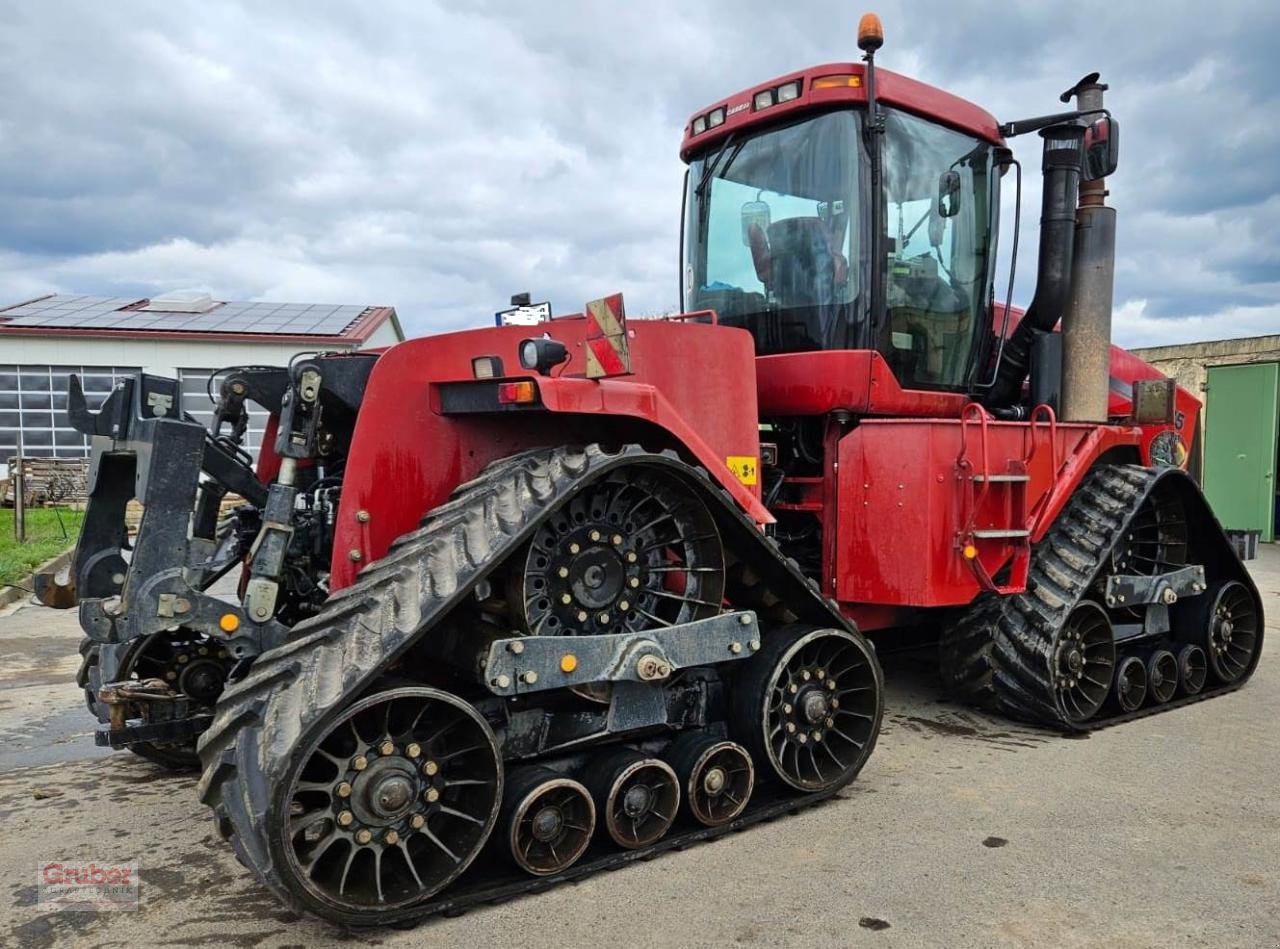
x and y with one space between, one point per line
1086 324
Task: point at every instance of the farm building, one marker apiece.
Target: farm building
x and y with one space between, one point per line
1239 382
185 335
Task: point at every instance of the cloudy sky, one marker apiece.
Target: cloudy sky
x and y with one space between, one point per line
441 156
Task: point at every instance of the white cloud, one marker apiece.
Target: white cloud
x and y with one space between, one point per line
440 159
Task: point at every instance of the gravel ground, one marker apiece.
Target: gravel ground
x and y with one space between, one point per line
963 830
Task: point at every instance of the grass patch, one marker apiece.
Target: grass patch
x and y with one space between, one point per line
45 539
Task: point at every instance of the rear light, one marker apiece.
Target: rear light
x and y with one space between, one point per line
512 393
699 125
836 82
716 117
788 91
486 367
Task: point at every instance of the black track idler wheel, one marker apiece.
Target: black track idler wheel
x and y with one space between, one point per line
636 797
1229 619
716 777
390 805
1162 676
1193 669
808 706
549 819
1084 658
1131 684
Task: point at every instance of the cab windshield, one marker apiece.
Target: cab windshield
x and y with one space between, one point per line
774 242
777 241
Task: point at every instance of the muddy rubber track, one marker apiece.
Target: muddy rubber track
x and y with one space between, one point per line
999 653
291 693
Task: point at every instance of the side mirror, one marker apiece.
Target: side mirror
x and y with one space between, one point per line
754 213
949 194
1101 149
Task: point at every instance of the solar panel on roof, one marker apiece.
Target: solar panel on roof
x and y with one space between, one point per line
83 311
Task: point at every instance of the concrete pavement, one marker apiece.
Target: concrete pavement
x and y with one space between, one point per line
963 830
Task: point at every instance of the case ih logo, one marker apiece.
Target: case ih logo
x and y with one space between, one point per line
93 887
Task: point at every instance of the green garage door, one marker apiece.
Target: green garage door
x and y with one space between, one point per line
1240 445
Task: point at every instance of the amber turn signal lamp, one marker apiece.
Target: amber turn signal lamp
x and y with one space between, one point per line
836 82
516 392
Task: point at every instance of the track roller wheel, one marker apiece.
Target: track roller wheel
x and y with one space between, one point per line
1131 684
1162 676
636 796
809 704
1230 623
389 805
1084 658
716 777
549 819
1193 668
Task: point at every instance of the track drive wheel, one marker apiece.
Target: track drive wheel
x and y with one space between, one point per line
809 705
388 805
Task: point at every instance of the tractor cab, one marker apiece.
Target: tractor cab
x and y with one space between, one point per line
782 198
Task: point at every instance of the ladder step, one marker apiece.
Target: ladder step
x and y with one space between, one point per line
993 534
1002 477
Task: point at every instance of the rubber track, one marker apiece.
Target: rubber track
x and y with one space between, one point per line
999 654
292 691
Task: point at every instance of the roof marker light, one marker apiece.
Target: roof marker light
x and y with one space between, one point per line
836 82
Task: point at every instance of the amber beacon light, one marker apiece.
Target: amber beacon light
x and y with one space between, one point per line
870 33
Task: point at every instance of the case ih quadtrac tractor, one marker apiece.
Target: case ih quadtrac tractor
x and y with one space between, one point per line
520 603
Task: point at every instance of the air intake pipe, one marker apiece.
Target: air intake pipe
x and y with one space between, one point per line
1060 165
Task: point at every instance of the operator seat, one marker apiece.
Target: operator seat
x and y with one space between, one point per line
797 262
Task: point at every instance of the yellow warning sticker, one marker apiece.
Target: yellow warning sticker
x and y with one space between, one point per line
744 467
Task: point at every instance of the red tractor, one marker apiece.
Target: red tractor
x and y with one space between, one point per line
517 604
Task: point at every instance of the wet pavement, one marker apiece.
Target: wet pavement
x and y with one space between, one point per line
963 830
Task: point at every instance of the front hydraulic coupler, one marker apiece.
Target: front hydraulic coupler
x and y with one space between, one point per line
295 440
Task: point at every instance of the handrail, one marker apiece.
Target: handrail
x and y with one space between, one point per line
695 315
1053 434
